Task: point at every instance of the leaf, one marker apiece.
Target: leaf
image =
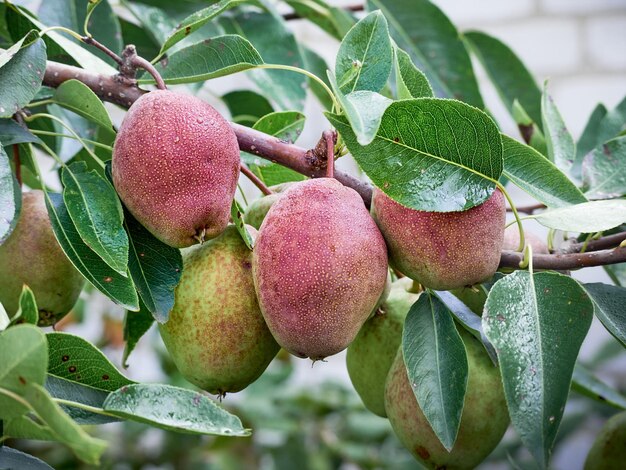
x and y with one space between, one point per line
588 217
118 288
538 176
75 359
133 34
608 306
529 129
97 213
561 145
4 318
77 97
410 81
507 72
436 364
586 384
537 323
27 311
8 54
431 154
12 458
617 273
364 58
196 20
10 197
136 324
335 21
277 45
12 133
173 408
246 107
604 170
21 77
211 58
237 215
421 29
315 64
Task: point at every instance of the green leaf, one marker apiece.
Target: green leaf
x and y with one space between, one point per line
196 20
77 97
12 133
529 129
246 107
431 154
118 288
561 145
364 58
588 217
97 213
410 81
75 359
138 36
277 45
21 77
436 364
585 383
24 358
617 273
4 318
211 58
8 54
136 324
27 311
335 21
604 170
12 458
538 176
173 408
608 304
237 215
315 64
421 29
507 72
10 197
28 427
537 324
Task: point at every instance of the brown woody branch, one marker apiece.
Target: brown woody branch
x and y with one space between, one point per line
296 16
564 262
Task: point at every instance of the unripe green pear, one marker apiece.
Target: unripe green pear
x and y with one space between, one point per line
32 256
609 449
216 334
442 250
511 241
320 266
258 209
372 352
483 422
175 166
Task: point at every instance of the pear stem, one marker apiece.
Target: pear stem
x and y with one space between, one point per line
255 180
18 164
522 241
330 154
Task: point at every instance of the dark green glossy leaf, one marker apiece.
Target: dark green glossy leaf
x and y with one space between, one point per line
335 21
507 72
136 324
364 58
237 215
585 383
77 360
537 324
561 145
139 37
436 364
604 170
27 311
315 64
538 176
588 217
21 77
173 408
118 288
246 107
97 213
617 273
79 98
410 81
12 458
431 154
421 29
10 197
211 58
609 303
12 133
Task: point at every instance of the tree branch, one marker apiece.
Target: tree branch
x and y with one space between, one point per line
564 262
296 16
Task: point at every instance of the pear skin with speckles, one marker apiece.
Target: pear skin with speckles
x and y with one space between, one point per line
608 451
372 352
215 333
32 256
484 419
175 166
442 250
320 267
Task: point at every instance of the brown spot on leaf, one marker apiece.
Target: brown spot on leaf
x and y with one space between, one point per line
72 369
105 377
22 380
65 358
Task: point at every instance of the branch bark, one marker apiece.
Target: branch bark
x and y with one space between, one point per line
565 262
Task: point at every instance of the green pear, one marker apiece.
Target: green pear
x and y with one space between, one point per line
32 256
483 422
511 241
320 267
175 166
609 449
215 333
372 352
442 250
258 209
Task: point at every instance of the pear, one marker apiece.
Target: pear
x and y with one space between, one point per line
443 250
372 352
483 422
320 266
175 166
609 449
511 241
258 209
32 256
215 333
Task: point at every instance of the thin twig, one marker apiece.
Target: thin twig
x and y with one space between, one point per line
296 16
92 42
330 137
608 241
142 63
528 209
255 180
564 262
18 163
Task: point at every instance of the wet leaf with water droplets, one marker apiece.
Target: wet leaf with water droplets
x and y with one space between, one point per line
173 408
537 324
